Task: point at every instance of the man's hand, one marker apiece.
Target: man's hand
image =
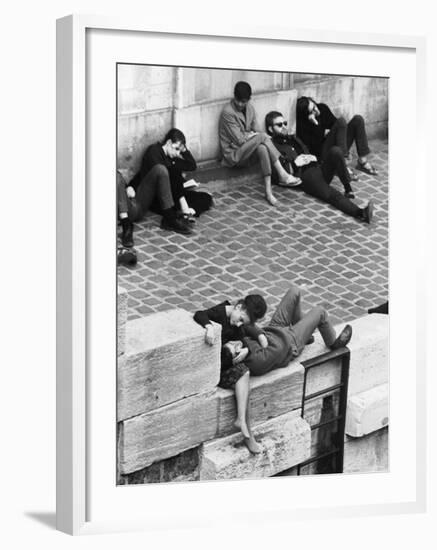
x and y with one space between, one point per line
251 134
130 192
301 160
209 335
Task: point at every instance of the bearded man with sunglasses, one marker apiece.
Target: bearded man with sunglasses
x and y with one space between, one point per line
316 178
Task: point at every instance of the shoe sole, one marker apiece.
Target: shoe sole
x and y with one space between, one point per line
370 208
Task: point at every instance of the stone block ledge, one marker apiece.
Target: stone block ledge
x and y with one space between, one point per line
368 411
166 360
286 442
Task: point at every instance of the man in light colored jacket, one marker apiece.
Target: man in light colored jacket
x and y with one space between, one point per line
241 139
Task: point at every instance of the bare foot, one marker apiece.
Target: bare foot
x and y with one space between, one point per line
242 426
290 181
271 199
253 445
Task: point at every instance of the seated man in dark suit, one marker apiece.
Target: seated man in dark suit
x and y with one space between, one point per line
152 181
316 178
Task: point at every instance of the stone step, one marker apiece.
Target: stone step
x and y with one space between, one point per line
214 177
367 454
367 411
166 360
285 441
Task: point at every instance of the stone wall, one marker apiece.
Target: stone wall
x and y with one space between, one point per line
175 424
153 99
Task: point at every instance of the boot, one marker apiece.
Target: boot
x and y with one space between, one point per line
127 233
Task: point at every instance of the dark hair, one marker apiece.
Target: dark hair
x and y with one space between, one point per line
302 109
174 135
242 91
270 117
255 305
226 358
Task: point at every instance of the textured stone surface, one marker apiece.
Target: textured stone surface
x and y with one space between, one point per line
182 467
368 411
122 308
369 353
271 395
166 359
368 453
285 441
166 432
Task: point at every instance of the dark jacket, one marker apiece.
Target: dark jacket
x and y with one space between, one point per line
155 155
290 147
280 351
313 136
229 332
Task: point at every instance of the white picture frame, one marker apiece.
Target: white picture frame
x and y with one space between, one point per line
75 342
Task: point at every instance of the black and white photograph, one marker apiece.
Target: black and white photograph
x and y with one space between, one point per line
252 278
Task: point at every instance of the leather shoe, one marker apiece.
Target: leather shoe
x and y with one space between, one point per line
176 224
343 338
368 212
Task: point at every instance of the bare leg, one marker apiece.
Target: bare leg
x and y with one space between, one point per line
269 194
242 398
251 443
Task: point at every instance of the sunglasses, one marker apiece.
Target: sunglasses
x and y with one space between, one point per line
280 124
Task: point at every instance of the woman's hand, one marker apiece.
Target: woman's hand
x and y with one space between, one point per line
262 339
312 118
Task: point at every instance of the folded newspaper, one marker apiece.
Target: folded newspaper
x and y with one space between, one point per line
190 183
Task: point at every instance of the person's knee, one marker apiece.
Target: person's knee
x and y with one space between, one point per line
336 152
341 122
159 170
320 312
293 293
357 120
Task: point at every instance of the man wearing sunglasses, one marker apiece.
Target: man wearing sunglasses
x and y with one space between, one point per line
297 160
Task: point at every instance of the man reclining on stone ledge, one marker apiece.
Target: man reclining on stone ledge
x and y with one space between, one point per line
287 334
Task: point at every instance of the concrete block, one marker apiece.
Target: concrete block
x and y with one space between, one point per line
285 440
122 303
166 432
271 395
367 411
368 359
367 454
167 359
369 353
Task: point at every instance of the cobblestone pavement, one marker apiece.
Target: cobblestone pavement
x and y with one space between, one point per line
243 245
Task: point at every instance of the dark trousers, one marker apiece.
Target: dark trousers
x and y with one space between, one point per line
156 183
344 134
333 163
314 184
